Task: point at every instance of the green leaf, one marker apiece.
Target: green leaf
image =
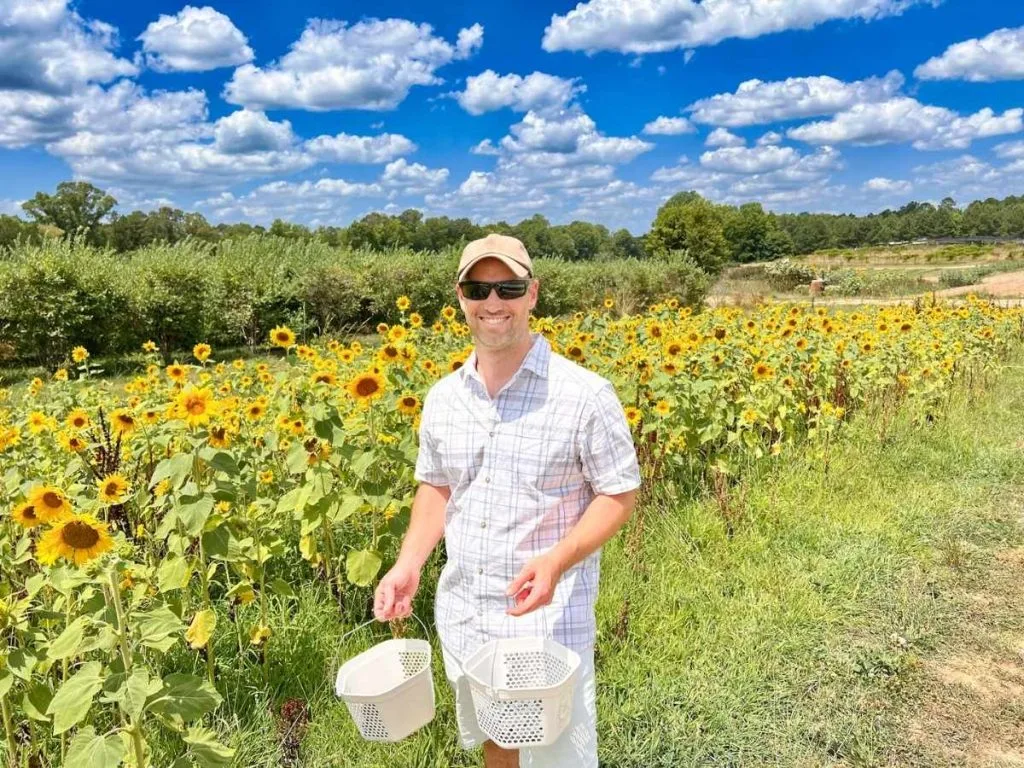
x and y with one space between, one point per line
194 512
296 461
281 587
71 703
22 663
362 566
185 696
173 573
90 750
6 682
132 694
222 461
36 701
157 626
174 469
222 543
68 641
362 464
350 504
208 752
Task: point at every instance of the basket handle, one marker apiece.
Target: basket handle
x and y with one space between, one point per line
375 621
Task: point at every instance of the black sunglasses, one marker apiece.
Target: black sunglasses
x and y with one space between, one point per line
476 290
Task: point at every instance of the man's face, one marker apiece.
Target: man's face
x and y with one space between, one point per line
497 323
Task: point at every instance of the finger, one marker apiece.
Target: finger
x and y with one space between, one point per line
517 583
403 607
387 602
534 601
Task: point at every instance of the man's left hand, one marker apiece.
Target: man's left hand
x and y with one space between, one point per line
534 587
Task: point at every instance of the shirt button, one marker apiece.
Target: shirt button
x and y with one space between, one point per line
483 524
487 479
492 433
480 571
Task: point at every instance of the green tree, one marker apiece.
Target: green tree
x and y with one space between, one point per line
76 207
690 224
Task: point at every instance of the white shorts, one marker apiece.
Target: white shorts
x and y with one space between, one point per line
575 748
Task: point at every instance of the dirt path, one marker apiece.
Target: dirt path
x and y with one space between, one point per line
1004 284
970 711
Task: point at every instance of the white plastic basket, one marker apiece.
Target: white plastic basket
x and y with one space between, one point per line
388 689
523 690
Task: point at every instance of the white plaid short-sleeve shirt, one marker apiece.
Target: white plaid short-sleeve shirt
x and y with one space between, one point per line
522 469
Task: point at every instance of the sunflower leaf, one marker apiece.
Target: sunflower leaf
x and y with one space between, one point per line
362 566
208 752
72 701
69 641
174 469
173 573
90 750
194 513
186 697
202 626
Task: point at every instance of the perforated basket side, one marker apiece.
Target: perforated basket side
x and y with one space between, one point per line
369 721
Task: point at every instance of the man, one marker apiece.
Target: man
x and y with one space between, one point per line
526 468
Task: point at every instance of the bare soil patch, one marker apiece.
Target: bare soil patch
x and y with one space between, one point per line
970 711
1005 284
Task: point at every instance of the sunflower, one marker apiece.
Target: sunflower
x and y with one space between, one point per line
150 346
25 515
122 422
37 422
219 437
151 416
255 411
388 353
297 426
409 404
195 405
282 336
382 328
201 352
61 374
78 539
50 502
266 477
346 355
415 320
575 352
663 408
79 354
71 442
113 489
403 303
177 373
397 333
366 386
609 302
324 377
632 415
763 371
448 312
78 419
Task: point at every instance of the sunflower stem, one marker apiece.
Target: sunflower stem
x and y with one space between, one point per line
209 606
135 728
12 744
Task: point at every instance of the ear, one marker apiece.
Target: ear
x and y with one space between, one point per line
534 289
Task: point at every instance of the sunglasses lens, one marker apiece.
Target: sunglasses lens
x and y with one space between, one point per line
476 291
513 289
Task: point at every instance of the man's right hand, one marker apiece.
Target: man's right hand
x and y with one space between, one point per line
393 599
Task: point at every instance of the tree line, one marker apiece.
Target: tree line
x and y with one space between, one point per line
708 234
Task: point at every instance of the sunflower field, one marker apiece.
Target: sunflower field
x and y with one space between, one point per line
147 527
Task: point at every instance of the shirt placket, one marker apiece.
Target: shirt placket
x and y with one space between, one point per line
488 472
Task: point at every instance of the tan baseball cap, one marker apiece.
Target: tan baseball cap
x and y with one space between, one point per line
509 249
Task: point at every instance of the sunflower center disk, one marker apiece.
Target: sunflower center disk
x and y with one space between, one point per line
79 535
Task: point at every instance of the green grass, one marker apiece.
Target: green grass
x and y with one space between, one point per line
793 642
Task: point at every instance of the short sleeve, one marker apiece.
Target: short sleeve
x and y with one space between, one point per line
429 469
607 452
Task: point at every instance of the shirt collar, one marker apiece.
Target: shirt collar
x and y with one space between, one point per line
536 360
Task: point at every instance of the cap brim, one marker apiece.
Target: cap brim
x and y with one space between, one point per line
515 266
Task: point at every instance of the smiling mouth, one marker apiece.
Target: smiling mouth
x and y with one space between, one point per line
494 320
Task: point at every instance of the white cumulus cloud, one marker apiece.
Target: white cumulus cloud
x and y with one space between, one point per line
246 131
194 40
345 148
997 56
887 186
749 159
649 26
722 137
371 65
757 102
904 119
669 126
490 91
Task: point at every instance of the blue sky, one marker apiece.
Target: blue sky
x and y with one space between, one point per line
320 112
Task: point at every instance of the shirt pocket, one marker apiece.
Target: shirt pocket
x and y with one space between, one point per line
547 460
461 455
